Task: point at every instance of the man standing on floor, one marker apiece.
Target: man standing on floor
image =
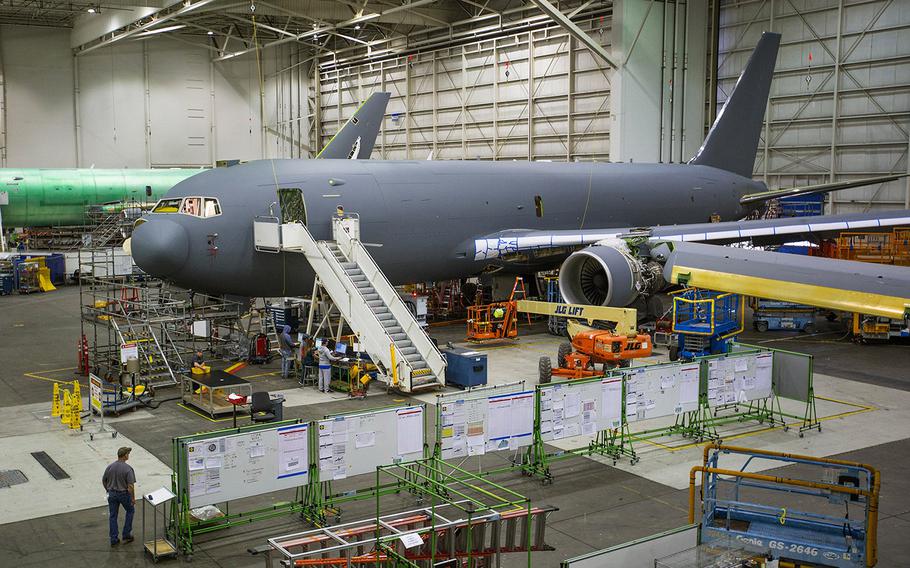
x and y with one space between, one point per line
119 480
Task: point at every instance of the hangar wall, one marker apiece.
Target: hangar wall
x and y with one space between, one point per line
528 95
158 103
840 100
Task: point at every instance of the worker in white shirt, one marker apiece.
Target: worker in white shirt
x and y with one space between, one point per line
326 358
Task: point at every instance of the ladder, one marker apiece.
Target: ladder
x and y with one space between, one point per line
385 327
483 538
153 360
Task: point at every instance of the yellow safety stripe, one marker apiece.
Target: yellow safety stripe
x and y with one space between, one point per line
814 295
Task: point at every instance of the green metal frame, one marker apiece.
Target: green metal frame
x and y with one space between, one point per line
183 529
809 417
610 443
522 454
321 501
429 477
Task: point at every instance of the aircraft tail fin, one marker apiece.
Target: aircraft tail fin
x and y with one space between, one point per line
356 138
733 139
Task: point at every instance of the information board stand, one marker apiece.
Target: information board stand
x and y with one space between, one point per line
483 420
96 404
357 443
592 408
216 468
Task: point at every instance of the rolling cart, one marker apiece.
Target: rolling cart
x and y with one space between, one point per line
157 547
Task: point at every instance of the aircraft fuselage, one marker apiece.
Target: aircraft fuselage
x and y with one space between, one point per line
422 216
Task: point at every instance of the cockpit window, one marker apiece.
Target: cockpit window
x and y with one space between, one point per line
212 208
167 206
192 206
203 207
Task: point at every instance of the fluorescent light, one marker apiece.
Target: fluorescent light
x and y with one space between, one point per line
91 10
210 32
160 30
357 27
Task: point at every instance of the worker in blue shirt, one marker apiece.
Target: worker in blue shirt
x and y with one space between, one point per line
326 357
286 346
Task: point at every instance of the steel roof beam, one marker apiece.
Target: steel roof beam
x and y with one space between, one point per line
576 32
159 17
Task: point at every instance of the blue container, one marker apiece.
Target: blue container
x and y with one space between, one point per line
465 367
56 264
802 205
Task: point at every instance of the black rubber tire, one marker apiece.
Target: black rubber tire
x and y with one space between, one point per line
562 352
544 371
674 352
761 326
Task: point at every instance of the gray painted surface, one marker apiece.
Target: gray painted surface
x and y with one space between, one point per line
865 277
426 215
792 375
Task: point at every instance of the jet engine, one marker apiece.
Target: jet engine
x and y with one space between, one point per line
608 275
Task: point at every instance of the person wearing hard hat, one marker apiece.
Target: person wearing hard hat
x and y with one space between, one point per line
499 315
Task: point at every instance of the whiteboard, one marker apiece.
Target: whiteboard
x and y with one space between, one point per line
654 391
477 423
352 444
235 466
742 378
580 408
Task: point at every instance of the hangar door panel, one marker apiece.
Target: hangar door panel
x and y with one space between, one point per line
179 106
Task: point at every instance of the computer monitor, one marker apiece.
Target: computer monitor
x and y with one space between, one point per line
318 343
341 348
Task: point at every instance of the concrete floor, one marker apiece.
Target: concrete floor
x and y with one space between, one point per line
599 505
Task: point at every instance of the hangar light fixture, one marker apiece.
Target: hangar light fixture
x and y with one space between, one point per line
160 30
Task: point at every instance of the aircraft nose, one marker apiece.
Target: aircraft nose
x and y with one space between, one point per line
160 247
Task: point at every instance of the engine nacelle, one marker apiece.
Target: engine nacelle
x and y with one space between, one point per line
605 275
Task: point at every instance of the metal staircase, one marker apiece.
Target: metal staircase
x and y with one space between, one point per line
154 363
386 328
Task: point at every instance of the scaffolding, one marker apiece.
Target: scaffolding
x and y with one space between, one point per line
163 325
468 521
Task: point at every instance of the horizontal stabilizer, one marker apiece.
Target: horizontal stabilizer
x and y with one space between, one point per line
814 189
866 288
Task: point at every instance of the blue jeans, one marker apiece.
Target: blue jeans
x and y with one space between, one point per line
287 362
114 500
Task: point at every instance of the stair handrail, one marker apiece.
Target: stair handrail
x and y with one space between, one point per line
363 258
347 284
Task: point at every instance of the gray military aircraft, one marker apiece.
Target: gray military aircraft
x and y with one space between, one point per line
437 220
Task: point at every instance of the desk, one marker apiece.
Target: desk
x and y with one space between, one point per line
209 392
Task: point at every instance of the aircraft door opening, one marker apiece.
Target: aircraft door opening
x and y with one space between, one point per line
293 207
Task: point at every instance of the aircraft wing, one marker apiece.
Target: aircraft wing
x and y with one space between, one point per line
686 257
842 285
759 231
356 138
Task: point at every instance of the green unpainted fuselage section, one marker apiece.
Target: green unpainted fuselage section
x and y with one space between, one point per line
57 197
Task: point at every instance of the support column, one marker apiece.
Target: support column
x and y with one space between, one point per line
640 102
